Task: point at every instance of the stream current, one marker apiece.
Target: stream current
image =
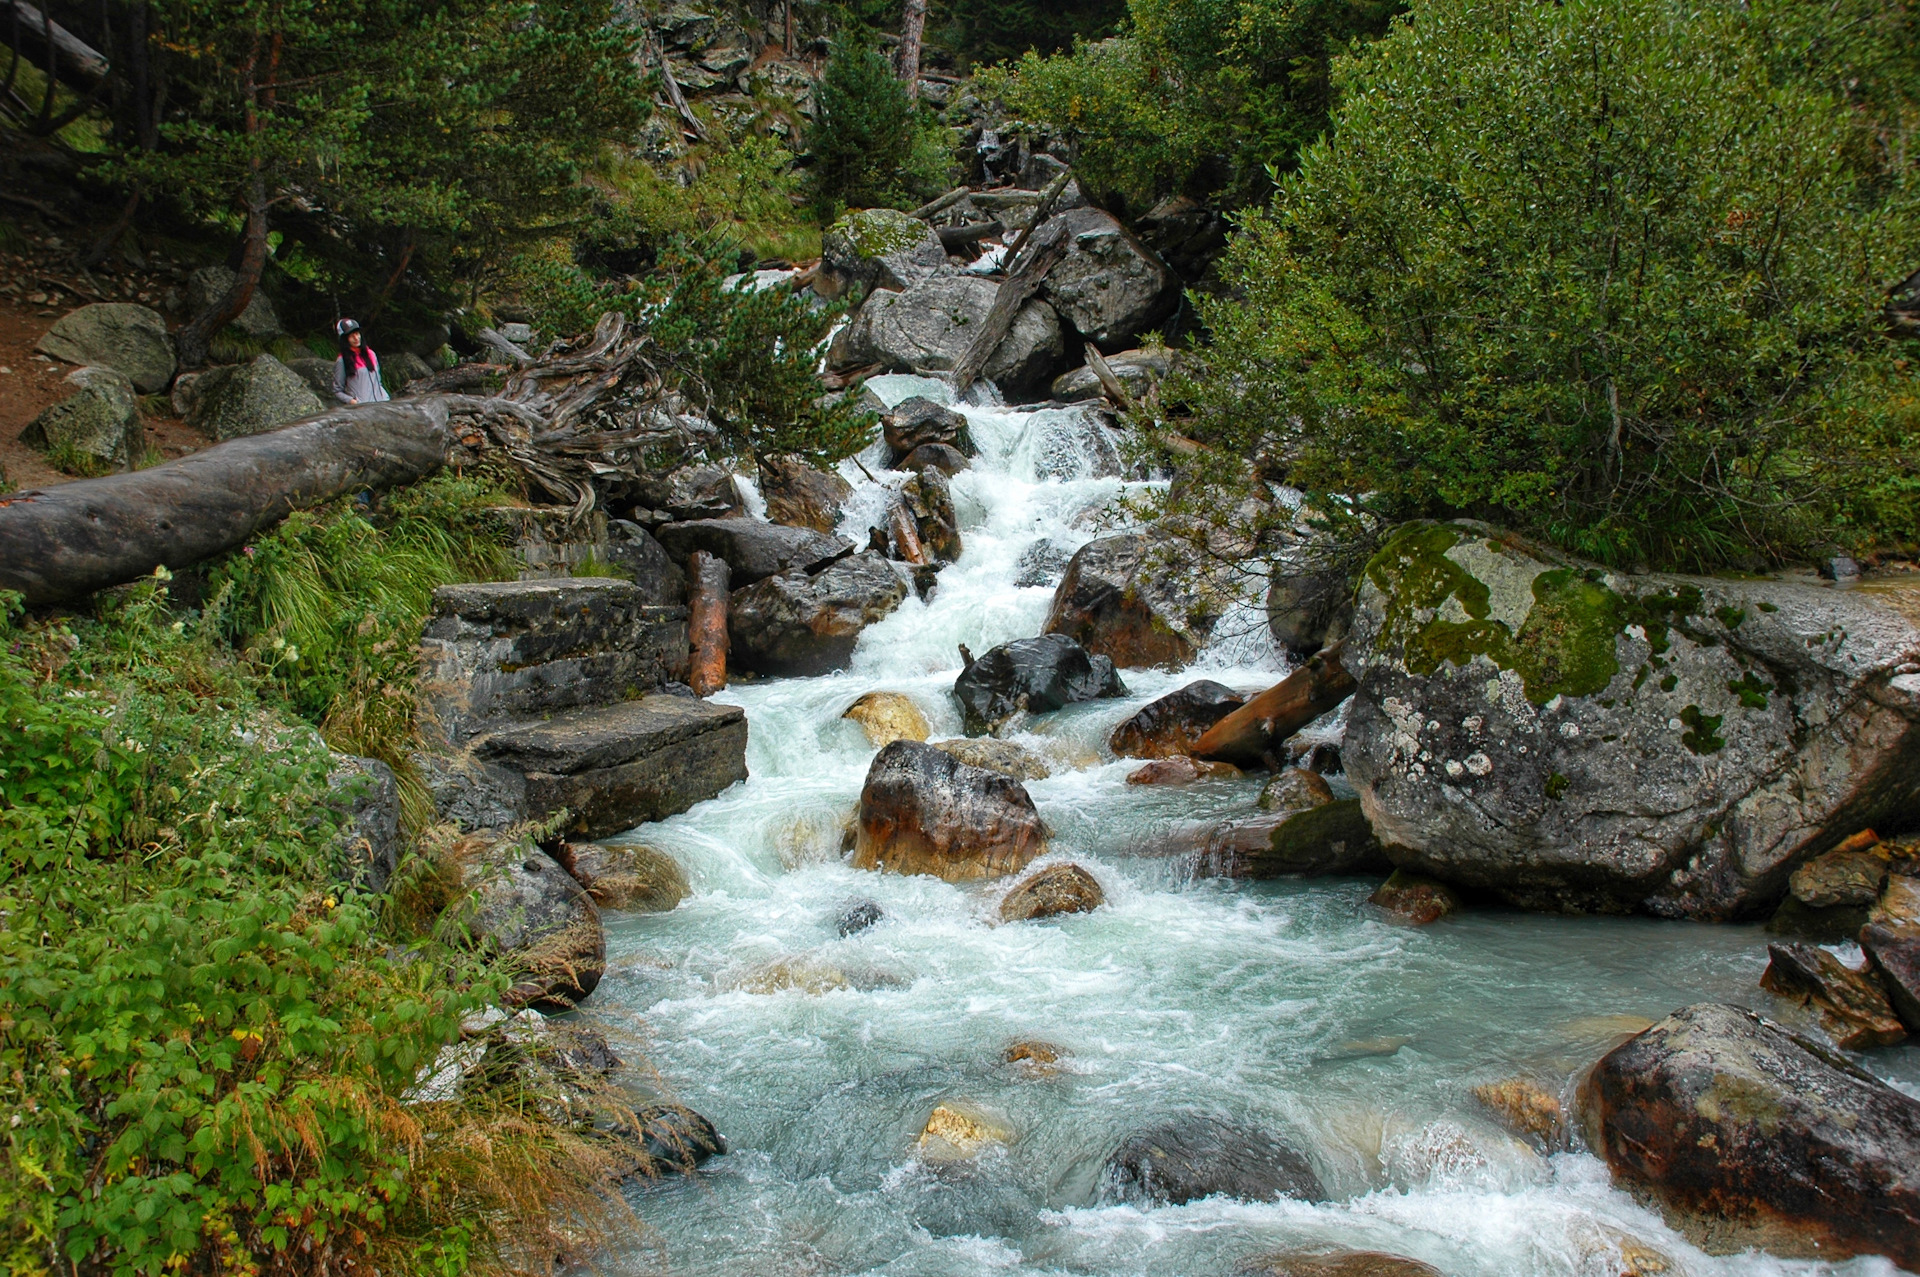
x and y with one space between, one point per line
1287 1005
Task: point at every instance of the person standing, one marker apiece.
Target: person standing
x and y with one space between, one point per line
356 373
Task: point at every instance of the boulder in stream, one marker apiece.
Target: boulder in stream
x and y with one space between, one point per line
1747 1136
626 875
919 422
1009 758
879 248
1415 900
795 624
887 717
1336 1263
1570 738
1055 890
927 329
1123 598
1032 676
753 548
1850 1005
523 906
799 496
1181 770
1894 955
1170 725
1198 1156
923 811
1108 284
1311 842
674 1140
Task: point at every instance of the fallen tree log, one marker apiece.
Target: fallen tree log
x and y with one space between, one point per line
1252 733
74 60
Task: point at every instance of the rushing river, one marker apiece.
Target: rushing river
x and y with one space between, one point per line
1285 1005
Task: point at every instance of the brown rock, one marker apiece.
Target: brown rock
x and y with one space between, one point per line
924 811
930 502
956 1131
945 458
1339 1263
1181 770
1747 1136
1119 602
887 717
1295 789
1003 756
1847 875
1255 730
628 876
1899 903
1333 838
800 496
1033 1054
1527 1109
1414 900
1172 724
1052 892
1851 1005
1893 953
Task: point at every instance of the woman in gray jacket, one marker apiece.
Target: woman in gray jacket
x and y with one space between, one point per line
356 373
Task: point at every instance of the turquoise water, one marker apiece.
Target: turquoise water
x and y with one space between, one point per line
1288 1005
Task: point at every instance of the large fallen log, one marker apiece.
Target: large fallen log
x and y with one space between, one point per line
74 60
1255 731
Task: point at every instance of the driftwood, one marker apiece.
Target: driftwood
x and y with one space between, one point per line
958 238
941 205
583 417
1110 382
708 579
1252 733
906 536
74 60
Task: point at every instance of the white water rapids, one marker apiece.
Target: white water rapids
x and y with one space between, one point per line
1285 1005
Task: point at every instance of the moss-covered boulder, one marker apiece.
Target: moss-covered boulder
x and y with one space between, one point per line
92 430
1570 738
879 248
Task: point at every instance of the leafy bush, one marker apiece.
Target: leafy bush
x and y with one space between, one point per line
1611 273
872 146
1206 97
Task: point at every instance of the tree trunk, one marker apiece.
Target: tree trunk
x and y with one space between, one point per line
73 60
70 540
913 24
1255 730
194 339
709 578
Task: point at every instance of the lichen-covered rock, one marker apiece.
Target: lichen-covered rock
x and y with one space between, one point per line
927 329
1108 285
95 427
210 283
1056 890
1747 1136
1200 1156
800 496
887 717
1123 599
753 548
316 372
1414 900
248 399
880 248
922 811
1850 1005
1169 726
1009 758
131 340
522 905
795 624
1032 676
1569 738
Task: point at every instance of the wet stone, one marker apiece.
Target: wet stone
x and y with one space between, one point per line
858 916
1412 899
1200 1156
1851 1005
1060 889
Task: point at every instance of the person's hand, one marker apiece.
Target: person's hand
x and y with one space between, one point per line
352 400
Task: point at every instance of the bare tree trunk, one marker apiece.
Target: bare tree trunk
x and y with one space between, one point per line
1252 732
789 45
707 621
194 339
913 24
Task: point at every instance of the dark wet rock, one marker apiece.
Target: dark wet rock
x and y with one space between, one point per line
1198 1156
249 399
1527 1109
917 422
626 876
98 424
1894 955
1108 285
1830 925
632 550
1322 758
927 329
1747 1136
1337 1263
132 340
800 496
1170 726
674 1140
523 906
1306 608
1137 370
880 248
1034 676
924 811
1850 1005
365 793
754 549
1042 563
945 458
690 493
795 624
1569 738
857 916
1181 770
1121 599
1318 842
1056 890
1415 900
1006 757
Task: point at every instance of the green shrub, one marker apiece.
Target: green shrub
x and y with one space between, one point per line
1610 273
872 146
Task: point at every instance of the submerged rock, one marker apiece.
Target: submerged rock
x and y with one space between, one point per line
1409 898
957 1131
1332 838
1032 676
1172 724
1003 756
1850 1005
858 916
1198 1156
1119 600
924 811
795 624
1527 1109
1747 1136
1033 1055
523 906
674 1140
1337 1263
887 717
1053 891
1569 738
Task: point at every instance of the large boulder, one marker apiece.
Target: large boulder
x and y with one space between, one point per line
879 248
1137 370
916 422
800 496
247 399
1569 738
927 329
1746 1136
1170 726
797 624
754 549
210 283
674 1140
1108 285
94 428
524 907
1123 598
633 551
316 372
1033 676
129 339
924 812
1199 1156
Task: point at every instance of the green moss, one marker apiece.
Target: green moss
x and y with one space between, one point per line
1566 645
1751 691
1703 731
875 232
1670 682
1769 607
1731 616
1658 613
1557 786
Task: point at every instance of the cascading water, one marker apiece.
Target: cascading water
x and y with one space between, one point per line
1283 1005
